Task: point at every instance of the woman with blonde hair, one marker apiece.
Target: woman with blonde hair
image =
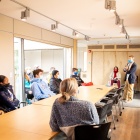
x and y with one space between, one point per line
68 111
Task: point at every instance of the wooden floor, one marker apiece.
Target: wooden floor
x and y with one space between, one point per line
128 127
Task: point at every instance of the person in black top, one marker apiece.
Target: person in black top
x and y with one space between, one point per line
76 76
8 100
55 81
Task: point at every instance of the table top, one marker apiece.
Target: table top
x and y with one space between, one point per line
32 119
16 134
89 93
93 93
48 101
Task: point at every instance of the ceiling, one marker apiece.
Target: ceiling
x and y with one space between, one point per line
86 16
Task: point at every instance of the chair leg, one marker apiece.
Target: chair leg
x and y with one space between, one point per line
119 106
113 121
122 104
116 112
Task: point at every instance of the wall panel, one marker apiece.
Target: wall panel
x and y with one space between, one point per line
7 55
6 23
50 36
97 68
66 41
109 63
23 28
121 61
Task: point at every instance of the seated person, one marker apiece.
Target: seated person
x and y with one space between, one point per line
39 88
29 72
55 81
28 91
115 76
76 76
7 97
49 76
68 111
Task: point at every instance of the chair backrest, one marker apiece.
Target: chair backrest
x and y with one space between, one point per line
92 132
109 103
102 111
119 91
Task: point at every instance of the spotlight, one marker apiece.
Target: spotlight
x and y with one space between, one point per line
54 26
123 31
86 38
25 14
74 33
111 5
121 23
117 19
127 36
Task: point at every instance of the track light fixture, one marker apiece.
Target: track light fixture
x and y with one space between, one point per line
110 5
25 14
123 31
117 18
121 23
54 26
74 33
86 38
127 36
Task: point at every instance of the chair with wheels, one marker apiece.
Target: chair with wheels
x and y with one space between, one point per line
93 132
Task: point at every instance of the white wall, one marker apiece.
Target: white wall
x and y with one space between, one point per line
45 59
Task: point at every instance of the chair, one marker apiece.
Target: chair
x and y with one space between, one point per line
102 111
119 92
93 132
114 97
109 110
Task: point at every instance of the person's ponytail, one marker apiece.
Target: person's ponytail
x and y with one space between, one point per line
64 98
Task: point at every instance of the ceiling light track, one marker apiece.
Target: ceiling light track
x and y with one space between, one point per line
111 5
52 26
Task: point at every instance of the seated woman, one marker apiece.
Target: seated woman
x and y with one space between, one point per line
115 76
28 91
49 76
55 81
7 98
68 111
76 76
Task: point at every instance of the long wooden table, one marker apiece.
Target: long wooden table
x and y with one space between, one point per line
31 119
89 93
32 122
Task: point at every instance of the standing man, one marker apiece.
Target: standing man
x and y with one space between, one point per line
130 78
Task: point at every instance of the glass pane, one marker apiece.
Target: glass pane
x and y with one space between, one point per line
17 66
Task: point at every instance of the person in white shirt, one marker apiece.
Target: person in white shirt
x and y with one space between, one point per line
115 76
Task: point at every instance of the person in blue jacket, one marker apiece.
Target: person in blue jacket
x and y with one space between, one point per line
8 100
39 88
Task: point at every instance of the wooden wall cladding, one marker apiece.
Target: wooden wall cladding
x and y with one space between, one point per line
97 68
103 63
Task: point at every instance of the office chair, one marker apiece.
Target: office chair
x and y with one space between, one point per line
93 132
109 110
118 99
102 111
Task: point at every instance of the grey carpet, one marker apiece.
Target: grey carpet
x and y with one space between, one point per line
135 102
